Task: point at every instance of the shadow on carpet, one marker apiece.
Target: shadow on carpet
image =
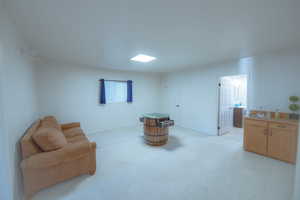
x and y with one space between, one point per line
172 144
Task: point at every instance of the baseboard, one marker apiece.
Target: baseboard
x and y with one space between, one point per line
206 132
90 133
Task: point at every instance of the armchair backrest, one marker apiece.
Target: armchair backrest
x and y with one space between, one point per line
28 146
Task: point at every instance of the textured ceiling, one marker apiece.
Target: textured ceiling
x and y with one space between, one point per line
106 34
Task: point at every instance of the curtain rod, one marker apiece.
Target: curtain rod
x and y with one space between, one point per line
115 80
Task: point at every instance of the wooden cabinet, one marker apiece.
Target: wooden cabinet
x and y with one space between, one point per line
238 117
273 139
282 142
256 140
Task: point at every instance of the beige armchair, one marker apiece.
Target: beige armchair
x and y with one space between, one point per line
42 169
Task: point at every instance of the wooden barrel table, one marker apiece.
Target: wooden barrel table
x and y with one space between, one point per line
156 128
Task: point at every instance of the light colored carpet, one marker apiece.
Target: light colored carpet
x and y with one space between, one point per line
192 166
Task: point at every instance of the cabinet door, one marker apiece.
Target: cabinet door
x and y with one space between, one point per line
238 117
282 143
255 136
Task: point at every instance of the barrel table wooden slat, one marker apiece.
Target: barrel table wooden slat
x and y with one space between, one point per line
154 133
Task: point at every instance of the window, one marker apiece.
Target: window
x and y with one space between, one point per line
112 91
116 91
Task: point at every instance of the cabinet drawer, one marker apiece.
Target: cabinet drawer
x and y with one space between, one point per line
251 122
282 126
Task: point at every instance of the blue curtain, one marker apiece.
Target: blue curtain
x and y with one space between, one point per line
102 92
129 91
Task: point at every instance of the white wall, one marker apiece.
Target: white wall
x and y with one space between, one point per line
5 180
72 94
272 79
18 104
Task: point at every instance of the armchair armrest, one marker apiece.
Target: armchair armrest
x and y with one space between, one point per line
53 158
70 125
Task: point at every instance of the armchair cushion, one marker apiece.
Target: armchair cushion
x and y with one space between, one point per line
28 146
50 122
79 138
73 132
49 139
70 125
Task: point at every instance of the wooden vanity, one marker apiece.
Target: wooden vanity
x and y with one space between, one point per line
275 138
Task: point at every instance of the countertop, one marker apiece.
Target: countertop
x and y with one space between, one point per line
288 121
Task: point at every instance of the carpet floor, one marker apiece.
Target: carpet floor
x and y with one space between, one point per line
192 166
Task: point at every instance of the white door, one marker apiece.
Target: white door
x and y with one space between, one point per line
172 101
178 106
225 106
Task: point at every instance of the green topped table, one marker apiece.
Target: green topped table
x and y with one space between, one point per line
156 115
156 128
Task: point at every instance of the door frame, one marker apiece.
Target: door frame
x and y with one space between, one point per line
219 107
219 98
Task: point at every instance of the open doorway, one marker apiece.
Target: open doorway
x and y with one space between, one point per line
232 103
